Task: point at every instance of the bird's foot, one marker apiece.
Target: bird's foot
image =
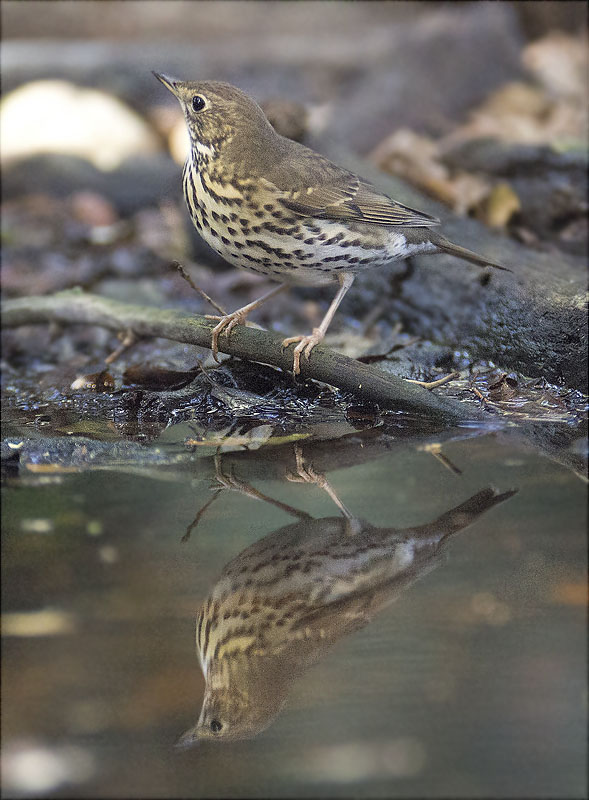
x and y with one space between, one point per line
306 474
227 480
304 347
225 325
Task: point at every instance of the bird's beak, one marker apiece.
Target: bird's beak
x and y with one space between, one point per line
169 83
190 737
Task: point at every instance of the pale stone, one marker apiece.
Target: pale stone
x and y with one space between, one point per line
59 117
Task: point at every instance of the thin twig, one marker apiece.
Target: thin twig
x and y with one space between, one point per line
177 265
198 517
128 339
478 394
435 384
436 451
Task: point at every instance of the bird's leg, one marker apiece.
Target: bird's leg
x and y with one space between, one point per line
228 321
307 343
306 474
229 481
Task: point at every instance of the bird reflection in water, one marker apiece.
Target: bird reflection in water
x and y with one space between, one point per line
283 602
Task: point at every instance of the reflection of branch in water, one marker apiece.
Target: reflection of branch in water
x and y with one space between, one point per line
199 515
436 450
285 600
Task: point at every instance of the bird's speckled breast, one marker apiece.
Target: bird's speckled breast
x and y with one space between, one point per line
249 227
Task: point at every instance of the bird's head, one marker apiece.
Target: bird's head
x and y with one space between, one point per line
215 111
228 715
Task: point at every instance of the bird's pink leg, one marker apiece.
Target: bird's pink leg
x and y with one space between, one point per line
229 321
307 343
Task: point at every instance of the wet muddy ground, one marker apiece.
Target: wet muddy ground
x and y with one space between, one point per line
414 624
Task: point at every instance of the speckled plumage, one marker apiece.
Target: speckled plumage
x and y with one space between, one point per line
283 602
275 207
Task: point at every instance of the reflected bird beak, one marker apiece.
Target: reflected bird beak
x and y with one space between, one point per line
189 738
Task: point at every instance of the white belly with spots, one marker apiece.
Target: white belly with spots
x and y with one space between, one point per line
275 243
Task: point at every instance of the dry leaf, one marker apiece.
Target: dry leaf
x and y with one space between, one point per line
499 206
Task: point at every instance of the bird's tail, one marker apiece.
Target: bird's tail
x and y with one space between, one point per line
461 252
466 513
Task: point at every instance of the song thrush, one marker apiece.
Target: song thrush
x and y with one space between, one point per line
284 601
271 205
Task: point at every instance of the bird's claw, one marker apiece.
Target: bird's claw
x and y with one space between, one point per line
304 347
225 325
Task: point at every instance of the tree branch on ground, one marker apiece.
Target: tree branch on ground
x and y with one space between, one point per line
74 307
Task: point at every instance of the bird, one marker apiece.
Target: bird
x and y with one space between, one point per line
273 206
282 603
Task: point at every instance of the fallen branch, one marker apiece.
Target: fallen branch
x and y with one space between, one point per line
74 307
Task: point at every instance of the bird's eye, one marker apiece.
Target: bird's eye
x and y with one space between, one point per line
198 102
216 725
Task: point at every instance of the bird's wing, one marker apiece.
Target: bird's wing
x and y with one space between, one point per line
354 199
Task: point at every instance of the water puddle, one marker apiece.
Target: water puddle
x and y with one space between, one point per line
393 611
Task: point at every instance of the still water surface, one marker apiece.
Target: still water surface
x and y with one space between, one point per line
411 627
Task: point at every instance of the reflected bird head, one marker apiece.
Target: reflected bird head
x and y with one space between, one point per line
231 714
